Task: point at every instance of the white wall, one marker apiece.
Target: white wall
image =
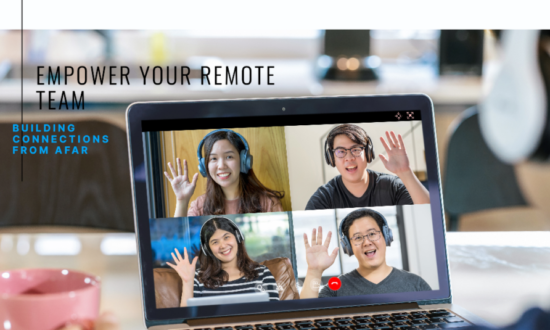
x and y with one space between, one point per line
306 159
420 242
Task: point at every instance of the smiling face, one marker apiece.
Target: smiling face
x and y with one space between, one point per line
223 245
370 255
352 169
224 164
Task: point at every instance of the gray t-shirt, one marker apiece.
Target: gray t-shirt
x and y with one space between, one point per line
353 284
384 189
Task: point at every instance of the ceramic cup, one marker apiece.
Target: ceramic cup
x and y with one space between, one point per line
47 299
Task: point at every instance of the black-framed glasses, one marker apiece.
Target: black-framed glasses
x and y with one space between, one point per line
342 152
371 236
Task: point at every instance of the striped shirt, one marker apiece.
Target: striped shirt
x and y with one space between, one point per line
264 282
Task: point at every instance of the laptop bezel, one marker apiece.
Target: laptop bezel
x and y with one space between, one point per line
220 111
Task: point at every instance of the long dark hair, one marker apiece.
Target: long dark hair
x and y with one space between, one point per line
211 273
251 190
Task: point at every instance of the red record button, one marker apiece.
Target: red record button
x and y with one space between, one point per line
334 283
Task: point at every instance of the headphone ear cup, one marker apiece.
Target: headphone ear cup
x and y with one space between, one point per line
205 250
371 154
329 157
388 235
249 161
370 150
246 161
202 167
243 161
238 235
346 246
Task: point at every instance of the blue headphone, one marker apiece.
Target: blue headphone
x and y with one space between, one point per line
245 156
238 235
346 246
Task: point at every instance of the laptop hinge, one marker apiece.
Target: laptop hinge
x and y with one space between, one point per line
295 315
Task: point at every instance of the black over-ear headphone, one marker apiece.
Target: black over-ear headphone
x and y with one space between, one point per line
386 231
238 235
245 156
329 154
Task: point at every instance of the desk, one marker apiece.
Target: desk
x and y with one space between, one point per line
494 281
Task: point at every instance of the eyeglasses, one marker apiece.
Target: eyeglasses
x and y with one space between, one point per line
371 236
342 152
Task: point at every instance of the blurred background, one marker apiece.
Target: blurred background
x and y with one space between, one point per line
449 66
76 212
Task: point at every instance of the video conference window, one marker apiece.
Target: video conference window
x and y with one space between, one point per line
371 251
213 260
357 165
246 254
274 169
267 214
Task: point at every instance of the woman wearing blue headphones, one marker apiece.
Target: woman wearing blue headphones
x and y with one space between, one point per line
225 267
231 186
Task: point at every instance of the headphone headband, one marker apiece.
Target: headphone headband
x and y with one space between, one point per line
238 234
386 232
245 156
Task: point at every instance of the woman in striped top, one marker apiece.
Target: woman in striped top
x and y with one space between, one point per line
225 267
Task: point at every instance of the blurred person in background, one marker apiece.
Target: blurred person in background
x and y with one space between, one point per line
533 176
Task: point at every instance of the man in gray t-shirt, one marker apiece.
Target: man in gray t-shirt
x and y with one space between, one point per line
353 284
363 234
350 150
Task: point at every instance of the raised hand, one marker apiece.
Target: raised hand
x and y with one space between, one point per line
180 183
185 269
396 160
317 256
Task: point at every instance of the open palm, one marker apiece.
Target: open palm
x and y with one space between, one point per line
317 256
185 269
180 183
396 159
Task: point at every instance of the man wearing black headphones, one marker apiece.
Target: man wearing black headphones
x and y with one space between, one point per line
350 149
364 233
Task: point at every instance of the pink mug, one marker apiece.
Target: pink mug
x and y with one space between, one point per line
47 299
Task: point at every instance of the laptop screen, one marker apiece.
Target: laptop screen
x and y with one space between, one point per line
286 213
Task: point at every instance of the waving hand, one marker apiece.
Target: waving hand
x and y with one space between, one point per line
185 269
317 256
396 160
180 183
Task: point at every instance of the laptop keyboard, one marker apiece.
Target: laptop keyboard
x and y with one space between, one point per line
417 320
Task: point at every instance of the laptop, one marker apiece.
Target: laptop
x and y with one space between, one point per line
258 196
